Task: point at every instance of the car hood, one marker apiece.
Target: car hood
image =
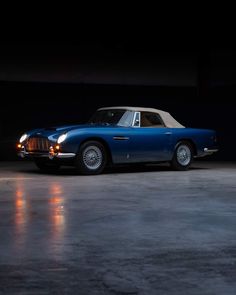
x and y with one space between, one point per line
56 131
66 128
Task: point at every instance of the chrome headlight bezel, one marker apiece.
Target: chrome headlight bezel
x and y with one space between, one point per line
23 137
62 138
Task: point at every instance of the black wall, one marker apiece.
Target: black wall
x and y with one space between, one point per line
27 105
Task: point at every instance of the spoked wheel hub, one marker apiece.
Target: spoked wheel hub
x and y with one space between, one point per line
92 157
183 155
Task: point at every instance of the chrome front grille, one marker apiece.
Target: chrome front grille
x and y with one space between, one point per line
38 144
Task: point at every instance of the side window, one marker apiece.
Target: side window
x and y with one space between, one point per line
151 120
126 119
136 122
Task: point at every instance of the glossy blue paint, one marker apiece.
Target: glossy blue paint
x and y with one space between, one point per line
130 144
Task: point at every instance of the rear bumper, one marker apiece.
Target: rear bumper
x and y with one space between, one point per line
210 151
206 152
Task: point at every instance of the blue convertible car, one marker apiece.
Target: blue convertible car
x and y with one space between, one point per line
117 135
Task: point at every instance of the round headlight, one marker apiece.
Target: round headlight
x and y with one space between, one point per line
61 138
23 137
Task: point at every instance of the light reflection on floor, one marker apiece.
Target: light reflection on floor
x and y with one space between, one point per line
20 215
27 214
56 212
123 231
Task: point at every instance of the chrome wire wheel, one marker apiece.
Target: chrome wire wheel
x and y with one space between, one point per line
92 157
183 155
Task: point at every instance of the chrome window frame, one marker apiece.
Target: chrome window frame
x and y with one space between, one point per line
134 119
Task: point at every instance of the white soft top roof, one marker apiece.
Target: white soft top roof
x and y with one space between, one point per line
168 120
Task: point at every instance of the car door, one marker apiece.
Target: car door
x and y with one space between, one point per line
149 140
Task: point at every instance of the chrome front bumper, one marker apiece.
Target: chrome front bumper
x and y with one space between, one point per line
23 153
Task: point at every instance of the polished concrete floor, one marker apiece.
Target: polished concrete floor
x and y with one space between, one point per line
129 231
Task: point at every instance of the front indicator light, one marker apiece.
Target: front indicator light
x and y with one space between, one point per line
19 146
51 152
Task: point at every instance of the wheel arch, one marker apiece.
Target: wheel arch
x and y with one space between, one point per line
191 142
103 142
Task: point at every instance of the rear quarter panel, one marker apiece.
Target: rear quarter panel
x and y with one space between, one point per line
201 138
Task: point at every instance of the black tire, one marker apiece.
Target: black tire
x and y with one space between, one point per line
182 162
46 165
92 158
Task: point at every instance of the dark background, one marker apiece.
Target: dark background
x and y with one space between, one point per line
57 81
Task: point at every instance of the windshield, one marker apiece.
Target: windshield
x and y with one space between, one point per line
113 117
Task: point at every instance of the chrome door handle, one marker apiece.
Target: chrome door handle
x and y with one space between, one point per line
120 138
168 133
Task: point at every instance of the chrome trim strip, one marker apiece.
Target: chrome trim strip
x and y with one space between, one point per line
120 138
65 155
